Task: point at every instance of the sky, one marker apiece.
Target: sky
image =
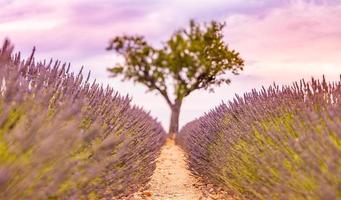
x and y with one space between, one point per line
281 41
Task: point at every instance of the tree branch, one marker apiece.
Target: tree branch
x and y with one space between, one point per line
153 84
196 85
164 94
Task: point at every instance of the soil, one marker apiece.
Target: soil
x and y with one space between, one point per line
173 181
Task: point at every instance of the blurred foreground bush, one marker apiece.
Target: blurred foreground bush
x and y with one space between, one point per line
64 138
277 143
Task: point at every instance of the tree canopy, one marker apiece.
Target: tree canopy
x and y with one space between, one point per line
193 58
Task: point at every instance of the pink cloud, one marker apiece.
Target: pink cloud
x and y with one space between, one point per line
84 26
299 40
300 33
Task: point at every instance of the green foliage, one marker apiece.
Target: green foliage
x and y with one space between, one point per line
192 58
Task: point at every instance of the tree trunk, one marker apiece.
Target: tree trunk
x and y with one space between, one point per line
174 122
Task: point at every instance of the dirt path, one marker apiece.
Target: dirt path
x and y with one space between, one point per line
171 179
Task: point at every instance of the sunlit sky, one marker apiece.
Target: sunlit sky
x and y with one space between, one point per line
280 40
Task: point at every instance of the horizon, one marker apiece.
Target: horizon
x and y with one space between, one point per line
281 42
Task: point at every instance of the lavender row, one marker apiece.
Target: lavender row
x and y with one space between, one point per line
63 137
277 143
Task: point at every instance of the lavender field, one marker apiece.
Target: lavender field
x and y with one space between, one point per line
170 100
282 142
62 137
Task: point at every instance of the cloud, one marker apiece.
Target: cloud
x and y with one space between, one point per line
72 29
30 25
301 37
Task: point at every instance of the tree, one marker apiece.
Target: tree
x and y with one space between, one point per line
193 58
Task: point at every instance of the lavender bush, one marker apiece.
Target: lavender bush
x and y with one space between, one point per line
277 143
62 137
